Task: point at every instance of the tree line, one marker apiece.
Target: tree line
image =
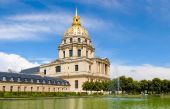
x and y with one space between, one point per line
129 86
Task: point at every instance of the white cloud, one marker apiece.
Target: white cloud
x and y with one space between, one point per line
140 72
37 25
14 62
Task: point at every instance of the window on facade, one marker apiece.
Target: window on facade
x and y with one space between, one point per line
76 67
25 89
64 41
70 53
31 89
58 69
19 88
48 89
71 40
64 54
89 67
3 78
105 69
37 88
79 40
3 88
76 84
87 54
79 53
86 40
45 71
43 89
11 88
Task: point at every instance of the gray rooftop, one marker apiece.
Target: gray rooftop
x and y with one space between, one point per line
31 79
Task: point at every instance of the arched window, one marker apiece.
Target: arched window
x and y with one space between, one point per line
79 40
11 88
31 89
19 88
71 40
45 71
25 89
37 89
3 88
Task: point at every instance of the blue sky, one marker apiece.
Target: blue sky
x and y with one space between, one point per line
128 32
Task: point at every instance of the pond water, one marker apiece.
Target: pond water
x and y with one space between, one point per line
88 103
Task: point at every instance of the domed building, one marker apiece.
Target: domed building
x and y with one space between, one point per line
76 61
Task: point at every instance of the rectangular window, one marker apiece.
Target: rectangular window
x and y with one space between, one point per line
87 54
89 67
70 53
3 88
45 71
58 69
79 53
76 84
64 55
11 88
79 40
76 67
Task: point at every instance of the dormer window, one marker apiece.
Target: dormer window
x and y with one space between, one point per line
38 81
43 81
25 80
12 79
31 80
3 78
19 80
49 82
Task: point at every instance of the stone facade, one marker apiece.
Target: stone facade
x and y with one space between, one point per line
76 61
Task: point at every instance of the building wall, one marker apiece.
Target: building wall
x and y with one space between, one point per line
32 88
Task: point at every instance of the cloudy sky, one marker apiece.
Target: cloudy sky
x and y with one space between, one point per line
133 34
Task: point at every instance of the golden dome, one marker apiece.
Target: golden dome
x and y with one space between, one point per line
76 29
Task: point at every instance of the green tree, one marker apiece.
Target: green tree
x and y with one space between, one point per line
156 85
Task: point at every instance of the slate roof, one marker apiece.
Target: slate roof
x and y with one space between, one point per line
32 79
33 70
